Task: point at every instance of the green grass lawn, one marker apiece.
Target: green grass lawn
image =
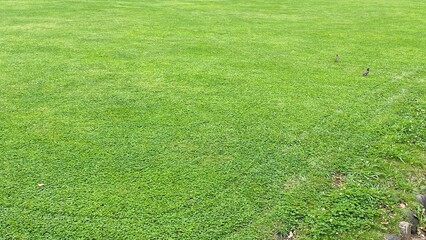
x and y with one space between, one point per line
210 119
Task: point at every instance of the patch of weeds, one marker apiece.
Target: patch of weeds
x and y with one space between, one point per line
337 179
346 210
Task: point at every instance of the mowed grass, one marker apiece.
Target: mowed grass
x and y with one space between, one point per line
210 119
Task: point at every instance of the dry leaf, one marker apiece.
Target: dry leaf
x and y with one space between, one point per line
403 205
290 235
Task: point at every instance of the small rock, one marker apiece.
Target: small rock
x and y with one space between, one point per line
405 230
392 237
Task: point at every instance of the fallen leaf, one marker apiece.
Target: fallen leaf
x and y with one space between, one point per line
40 184
290 235
403 205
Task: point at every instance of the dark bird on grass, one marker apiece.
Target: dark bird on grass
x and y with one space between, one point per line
337 58
414 220
422 200
365 73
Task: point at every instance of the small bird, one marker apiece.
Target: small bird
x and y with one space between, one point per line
422 199
414 220
365 73
337 58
